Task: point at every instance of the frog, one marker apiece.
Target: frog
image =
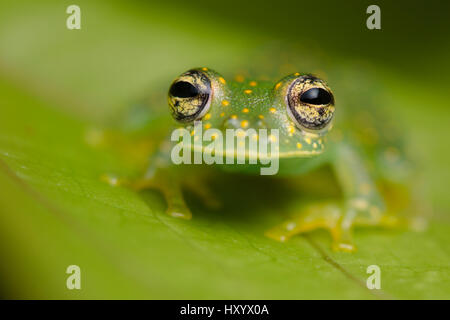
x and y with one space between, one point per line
302 108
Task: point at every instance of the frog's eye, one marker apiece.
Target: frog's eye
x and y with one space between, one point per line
310 102
316 96
190 96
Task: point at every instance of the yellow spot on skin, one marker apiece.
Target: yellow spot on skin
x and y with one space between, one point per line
239 78
208 125
261 116
245 110
207 116
278 85
291 130
299 145
252 83
222 114
222 80
205 69
244 123
225 103
248 91
272 110
234 116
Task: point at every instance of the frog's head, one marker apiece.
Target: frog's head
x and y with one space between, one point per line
299 106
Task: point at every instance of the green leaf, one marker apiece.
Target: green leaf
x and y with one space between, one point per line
55 211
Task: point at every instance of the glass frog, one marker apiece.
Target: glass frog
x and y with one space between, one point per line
302 108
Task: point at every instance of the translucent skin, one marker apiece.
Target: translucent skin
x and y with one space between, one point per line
256 104
250 104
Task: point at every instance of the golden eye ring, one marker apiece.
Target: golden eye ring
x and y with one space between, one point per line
310 103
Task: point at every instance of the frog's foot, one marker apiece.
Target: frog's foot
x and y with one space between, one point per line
339 220
317 216
169 187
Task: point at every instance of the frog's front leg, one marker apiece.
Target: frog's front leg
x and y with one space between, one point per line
161 176
362 205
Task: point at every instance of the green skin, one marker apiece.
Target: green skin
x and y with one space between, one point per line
301 151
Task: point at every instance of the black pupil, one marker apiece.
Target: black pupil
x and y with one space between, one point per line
316 96
183 89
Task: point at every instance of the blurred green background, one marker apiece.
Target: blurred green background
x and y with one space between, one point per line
55 83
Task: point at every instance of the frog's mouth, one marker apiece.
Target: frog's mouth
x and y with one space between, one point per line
267 154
